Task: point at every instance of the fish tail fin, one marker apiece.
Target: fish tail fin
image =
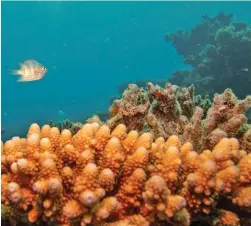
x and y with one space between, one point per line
15 72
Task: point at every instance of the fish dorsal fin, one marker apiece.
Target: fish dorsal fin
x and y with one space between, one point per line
23 66
31 63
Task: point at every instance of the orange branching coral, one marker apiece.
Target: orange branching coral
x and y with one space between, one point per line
155 194
68 154
65 138
167 162
227 178
34 128
120 177
145 140
107 179
158 199
119 132
175 207
130 140
190 160
130 192
54 176
245 169
45 130
101 138
87 188
242 197
227 152
45 145
106 207
73 209
85 157
139 159
134 220
199 188
54 135
67 177
227 218
112 156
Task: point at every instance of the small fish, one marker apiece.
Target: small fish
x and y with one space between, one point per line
30 70
245 69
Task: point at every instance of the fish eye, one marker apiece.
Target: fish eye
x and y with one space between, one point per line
44 68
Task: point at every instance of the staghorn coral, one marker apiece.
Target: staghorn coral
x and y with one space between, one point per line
117 177
175 111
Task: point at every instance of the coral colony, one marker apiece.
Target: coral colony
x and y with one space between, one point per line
163 158
219 51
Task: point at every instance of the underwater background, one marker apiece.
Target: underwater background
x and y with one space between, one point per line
90 49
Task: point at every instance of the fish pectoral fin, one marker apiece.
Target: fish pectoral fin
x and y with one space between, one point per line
21 80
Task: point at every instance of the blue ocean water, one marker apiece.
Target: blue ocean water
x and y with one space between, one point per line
90 49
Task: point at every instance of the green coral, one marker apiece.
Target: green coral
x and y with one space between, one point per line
74 127
9 217
224 35
219 51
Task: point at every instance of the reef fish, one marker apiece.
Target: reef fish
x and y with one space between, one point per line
30 70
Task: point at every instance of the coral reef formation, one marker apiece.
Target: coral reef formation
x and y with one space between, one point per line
219 52
119 177
177 111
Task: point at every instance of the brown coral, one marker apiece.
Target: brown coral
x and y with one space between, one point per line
175 111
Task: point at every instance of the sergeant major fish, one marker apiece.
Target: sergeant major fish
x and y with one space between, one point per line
30 70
